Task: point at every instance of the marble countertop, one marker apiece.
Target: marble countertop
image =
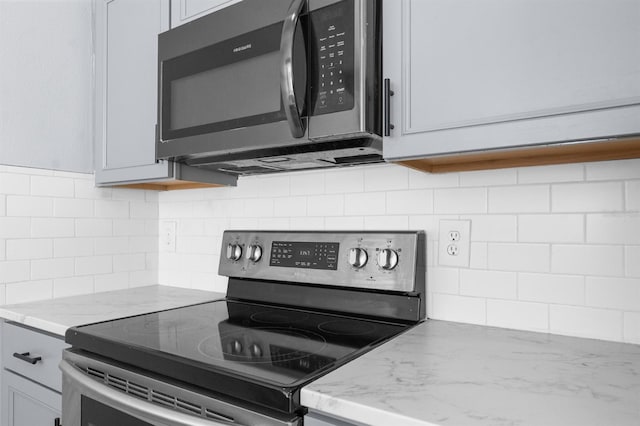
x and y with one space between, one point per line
442 373
57 315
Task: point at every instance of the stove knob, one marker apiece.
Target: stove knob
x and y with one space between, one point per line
387 259
256 352
255 253
234 252
358 257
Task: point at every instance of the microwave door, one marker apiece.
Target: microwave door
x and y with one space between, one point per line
226 97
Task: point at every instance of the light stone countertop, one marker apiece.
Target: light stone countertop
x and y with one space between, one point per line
57 315
442 373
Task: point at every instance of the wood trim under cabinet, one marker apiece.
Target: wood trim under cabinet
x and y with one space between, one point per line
578 152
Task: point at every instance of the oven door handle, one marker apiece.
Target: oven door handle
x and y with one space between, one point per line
132 406
286 71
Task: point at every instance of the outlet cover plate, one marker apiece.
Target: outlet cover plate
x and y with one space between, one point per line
461 228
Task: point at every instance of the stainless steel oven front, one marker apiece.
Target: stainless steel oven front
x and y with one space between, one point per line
96 392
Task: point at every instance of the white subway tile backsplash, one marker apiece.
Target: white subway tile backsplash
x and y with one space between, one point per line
345 181
368 203
15 227
305 184
551 174
443 280
520 315
489 284
29 206
258 207
87 189
410 202
3 252
29 249
549 288
632 327
519 199
51 268
450 307
111 209
615 293
273 223
129 227
493 228
143 210
519 257
306 223
385 178
52 186
586 322
108 245
282 185
587 197
93 265
327 205
129 262
633 196
385 223
290 206
71 247
14 271
93 228
72 286
73 207
344 223
610 170
632 261
547 228
30 291
484 178
613 228
419 180
52 227
587 260
460 201
110 282
3 205
14 184
479 256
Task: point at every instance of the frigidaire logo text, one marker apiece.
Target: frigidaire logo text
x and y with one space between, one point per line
241 48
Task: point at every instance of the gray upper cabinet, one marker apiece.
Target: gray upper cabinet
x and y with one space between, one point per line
484 74
183 11
45 85
126 46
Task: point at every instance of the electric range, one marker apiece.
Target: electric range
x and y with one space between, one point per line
298 305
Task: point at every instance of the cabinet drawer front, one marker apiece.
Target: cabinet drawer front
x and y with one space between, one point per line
20 340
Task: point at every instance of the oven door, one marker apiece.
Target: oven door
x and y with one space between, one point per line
95 393
233 81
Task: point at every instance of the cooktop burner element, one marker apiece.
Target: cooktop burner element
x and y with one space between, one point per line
301 309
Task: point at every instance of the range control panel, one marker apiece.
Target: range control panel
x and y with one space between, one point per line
371 260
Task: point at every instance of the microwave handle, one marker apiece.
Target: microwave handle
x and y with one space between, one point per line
286 71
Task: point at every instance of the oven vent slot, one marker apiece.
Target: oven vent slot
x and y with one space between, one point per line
156 397
117 382
95 373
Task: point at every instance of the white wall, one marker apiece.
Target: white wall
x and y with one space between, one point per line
554 249
61 236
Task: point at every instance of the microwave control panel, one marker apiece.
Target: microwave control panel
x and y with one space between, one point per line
332 33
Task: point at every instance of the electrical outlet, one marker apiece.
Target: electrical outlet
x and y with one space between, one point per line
168 235
454 247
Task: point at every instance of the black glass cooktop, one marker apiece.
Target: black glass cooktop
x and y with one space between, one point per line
254 352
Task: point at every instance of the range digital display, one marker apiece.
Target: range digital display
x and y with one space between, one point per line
311 255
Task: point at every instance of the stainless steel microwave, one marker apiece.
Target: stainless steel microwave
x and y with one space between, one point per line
277 85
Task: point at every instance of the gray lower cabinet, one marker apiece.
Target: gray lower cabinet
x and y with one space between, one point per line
471 75
183 11
31 382
126 46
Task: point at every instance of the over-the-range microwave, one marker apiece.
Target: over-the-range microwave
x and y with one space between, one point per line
273 85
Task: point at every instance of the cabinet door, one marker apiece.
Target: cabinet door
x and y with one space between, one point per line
183 11
126 89
45 85
25 403
482 74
